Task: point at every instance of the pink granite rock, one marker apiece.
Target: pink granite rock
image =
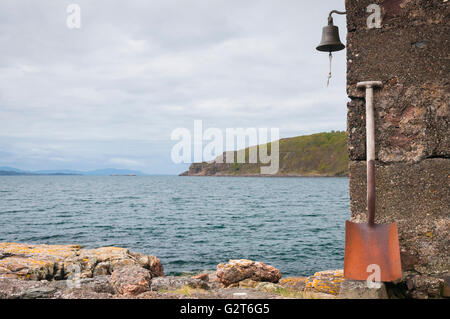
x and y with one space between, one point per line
240 269
131 280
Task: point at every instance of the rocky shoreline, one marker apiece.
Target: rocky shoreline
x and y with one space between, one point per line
224 170
187 173
29 271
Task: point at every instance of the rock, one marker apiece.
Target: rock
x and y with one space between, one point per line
34 262
173 283
56 262
356 289
104 260
151 263
130 280
422 286
155 266
213 277
79 293
207 275
269 286
13 288
102 268
294 283
222 293
328 282
204 277
99 284
240 269
408 260
39 293
246 283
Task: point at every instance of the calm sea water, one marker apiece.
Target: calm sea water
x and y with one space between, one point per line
190 223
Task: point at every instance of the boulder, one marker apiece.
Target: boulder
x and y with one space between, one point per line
130 280
240 269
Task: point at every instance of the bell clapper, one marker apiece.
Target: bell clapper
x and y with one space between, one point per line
329 73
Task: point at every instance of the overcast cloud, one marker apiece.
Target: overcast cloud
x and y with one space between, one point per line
110 94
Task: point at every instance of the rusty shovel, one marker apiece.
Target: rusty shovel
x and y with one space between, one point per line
370 246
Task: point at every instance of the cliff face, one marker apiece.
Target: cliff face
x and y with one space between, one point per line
322 154
409 54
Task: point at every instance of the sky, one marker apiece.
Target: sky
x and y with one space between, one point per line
110 93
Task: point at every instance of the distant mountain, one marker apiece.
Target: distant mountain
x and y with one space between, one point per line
99 172
58 172
321 154
113 171
12 173
11 169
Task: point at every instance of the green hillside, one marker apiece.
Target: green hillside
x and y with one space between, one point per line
321 154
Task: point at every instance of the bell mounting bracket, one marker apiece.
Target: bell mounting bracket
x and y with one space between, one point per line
330 18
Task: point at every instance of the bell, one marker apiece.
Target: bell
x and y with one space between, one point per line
330 39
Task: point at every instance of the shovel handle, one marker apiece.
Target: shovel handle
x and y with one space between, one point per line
370 147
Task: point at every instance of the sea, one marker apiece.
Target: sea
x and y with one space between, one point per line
191 223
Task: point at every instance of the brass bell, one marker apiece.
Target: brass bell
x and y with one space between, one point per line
330 38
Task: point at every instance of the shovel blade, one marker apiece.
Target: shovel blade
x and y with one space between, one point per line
372 245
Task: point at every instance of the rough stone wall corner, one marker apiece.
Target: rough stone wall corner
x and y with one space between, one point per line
409 54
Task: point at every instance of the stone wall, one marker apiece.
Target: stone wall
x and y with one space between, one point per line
409 53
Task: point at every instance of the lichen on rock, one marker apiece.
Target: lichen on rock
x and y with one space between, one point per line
58 262
328 281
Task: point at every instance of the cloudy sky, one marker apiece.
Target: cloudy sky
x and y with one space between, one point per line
110 93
